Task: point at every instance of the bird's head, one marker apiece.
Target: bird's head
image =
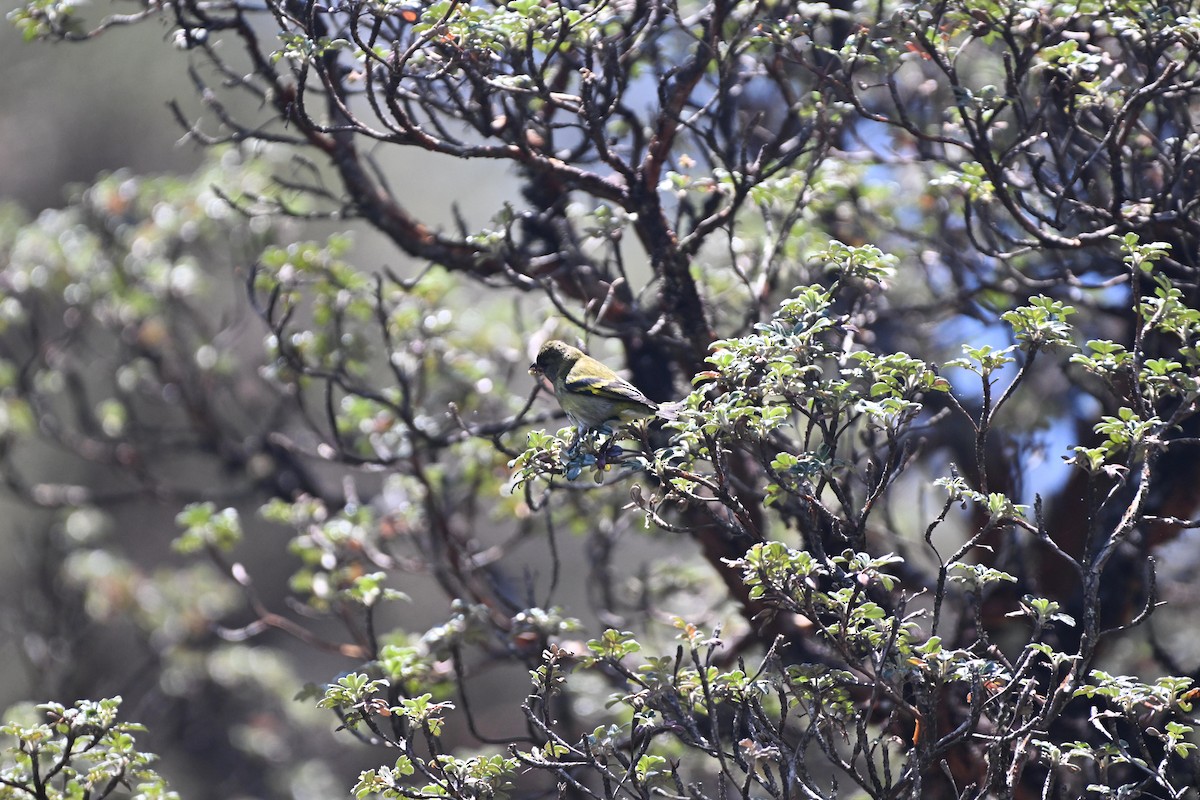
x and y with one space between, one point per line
554 359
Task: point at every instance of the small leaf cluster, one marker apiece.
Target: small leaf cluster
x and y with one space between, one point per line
81 751
340 553
847 596
1144 726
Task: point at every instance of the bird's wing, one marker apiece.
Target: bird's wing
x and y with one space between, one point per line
609 388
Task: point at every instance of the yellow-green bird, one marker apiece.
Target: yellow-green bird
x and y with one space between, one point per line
591 393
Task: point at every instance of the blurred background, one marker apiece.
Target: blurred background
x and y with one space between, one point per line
68 114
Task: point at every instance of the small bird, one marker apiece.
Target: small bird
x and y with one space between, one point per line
591 393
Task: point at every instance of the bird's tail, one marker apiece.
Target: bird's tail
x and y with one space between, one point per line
669 411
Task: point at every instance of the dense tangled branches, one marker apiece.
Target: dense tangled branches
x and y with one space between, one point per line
896 251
